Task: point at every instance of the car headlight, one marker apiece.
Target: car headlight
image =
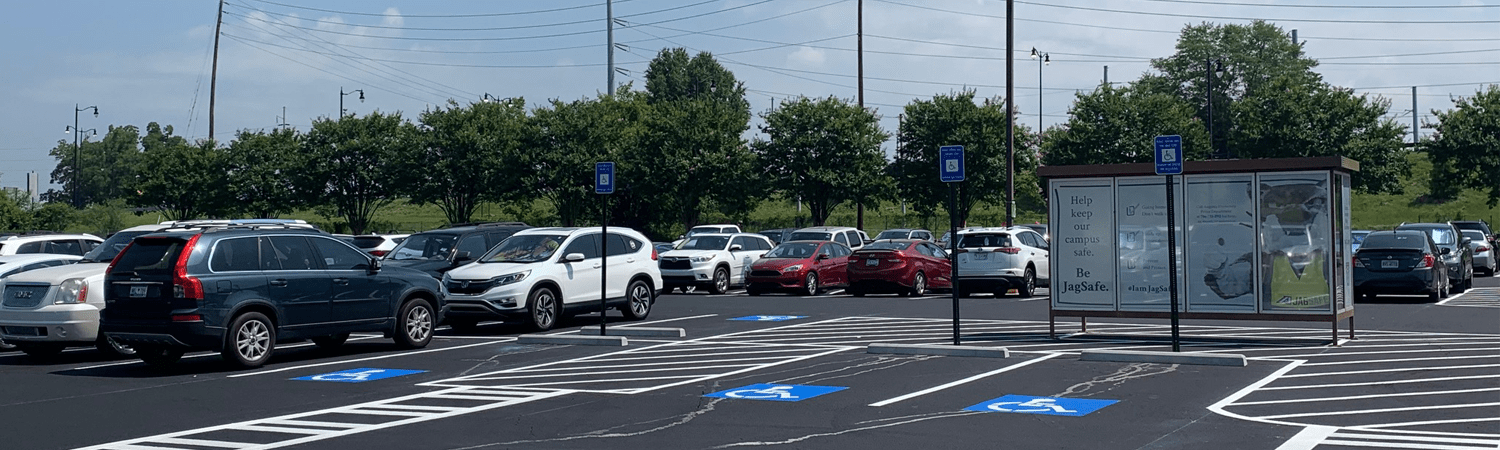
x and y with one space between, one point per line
72 290
702 259
510 278
791 268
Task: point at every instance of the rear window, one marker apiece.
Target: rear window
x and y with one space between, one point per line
111 246
1393 240
1473 235
889 234
888 245
810 236
150 256
368 242
984 240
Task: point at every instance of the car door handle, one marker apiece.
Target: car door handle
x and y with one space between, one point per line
630 260
596 266
341 281
278 282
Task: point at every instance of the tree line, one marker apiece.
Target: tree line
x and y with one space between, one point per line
682 154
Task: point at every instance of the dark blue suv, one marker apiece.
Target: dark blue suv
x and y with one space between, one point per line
242 289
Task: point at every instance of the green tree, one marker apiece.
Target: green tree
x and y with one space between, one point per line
107 166
350 171
470 154
184 180
259 167
825 151
1119 125
1465 149
956 120
571 137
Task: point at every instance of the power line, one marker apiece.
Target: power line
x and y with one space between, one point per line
418 63
353 13
1194 16
1471 63
1326 6
349 64
373 86
1426 85
387 27
1413 54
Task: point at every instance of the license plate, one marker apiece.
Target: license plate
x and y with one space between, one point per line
1390 264
137 291
872 262
981 256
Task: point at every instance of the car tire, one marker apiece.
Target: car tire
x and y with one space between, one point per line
918 285
638 301
463 326
720 283
158 356
40 350
415 324
331 341
542 309
1028 284
249 341
810 285
111 348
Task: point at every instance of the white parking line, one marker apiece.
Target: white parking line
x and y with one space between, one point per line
284 369
965 380
197 355
1382 410
1361 397
634 324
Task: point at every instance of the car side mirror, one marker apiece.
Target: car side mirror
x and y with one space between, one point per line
573 257
822 256
736 247
464 257
374 266
1446 251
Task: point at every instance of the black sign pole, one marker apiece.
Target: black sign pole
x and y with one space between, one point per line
1172 260
953 252
604 260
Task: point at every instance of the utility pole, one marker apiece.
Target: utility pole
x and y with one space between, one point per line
859 206
609 19
1010 114
213 78
1416 136
1294 37
1106 75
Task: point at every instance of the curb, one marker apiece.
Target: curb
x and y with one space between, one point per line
635 331
612 341
1206 359
938 349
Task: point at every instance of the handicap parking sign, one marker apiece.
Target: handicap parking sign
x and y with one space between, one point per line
358 375
768 318
1051 406
776 392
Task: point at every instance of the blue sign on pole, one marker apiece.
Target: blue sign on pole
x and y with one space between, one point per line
768 318
604 178
776 392
1052 406
951 163
359 375
1169 155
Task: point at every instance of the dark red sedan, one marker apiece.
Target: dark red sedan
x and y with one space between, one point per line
900 266
804 267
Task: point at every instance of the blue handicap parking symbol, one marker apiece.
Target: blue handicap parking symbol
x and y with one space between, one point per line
776 392
768 318
358 375
1052 406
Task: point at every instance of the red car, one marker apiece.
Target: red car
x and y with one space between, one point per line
804 267
900 266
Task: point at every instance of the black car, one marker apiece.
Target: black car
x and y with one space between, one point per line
1454 252
1399 262
1477 225
776 234
243 289
438 251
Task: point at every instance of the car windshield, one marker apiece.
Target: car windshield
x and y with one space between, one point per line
796 250
888 245
810 236
525 248
1440 236
111 247
1393 240
703 230
705 243
430 246
984 240
892 234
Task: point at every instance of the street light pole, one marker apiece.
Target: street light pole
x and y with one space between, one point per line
1209 67
77 171
341 98
1041 60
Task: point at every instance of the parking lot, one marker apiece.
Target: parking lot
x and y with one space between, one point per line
1419 375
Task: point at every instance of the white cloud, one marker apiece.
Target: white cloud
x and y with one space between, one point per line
807 57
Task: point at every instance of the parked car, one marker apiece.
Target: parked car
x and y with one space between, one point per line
438 251
47 242
1356 238
776 235
1476 225
843 235
14 264
378 244
904 233
1040 228
47 310
1454 252
804 267
1484 253
1000 259
662 247
900 266
1400 262
527 277
241 290
713 261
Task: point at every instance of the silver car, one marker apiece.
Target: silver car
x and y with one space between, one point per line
1484 254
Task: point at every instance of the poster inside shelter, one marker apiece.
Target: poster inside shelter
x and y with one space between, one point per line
1083 233
1295 227
1142 263
1221 243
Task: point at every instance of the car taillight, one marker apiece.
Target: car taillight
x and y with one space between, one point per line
1010 250
1482 249
1427 261
187 317
184 286
654 256
379 252
1357 263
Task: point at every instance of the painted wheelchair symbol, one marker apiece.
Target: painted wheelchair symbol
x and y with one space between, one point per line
774 392
348 376
1033 405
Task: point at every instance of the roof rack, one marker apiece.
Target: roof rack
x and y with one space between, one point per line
488 224
259 226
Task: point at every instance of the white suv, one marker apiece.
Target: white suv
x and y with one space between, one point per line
1000 259
715 261
541 274
53 243
851 237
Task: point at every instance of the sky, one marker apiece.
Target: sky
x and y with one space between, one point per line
142 62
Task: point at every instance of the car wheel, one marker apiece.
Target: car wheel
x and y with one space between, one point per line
918 285
112 348
414 325
464 326
158 356
542 309
40 350
331 341
810 284
639 298
1028 284
721 281
251 338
